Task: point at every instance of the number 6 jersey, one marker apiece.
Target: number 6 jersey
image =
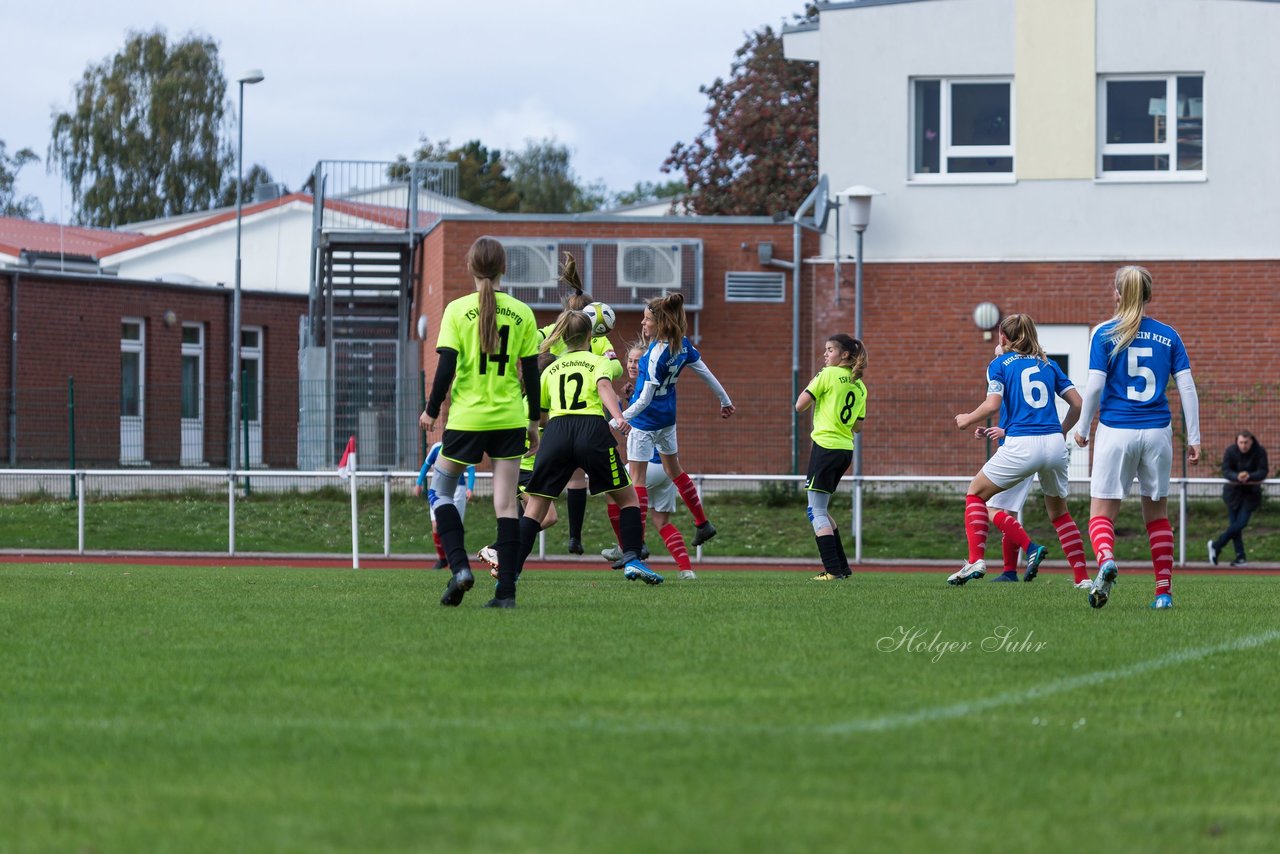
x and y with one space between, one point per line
1027 386
838 402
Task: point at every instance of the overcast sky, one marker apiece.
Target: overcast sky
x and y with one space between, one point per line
616 81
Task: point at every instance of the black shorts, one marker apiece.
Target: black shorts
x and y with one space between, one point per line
470 446
826 467
525 474
572 442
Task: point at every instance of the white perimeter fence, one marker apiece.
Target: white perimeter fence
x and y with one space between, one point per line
114 482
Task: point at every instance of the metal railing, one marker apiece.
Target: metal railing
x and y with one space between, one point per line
106 482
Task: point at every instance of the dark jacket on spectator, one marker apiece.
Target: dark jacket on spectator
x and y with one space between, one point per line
1237 494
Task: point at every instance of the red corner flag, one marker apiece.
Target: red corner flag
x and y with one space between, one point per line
347 464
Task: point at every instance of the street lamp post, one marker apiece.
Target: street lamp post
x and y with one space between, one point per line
251 76
859 218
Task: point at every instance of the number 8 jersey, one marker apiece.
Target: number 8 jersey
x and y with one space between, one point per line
1133 396
839 401
1027 386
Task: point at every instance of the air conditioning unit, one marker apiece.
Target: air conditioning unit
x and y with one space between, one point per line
530 263
649 265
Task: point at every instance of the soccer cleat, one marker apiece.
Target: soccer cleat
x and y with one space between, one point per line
1163 601
1240 561
1035 557
830 576
441 564
1007 575
687 575
1213 553
611 554
1100 591
703 532
489 555
495 602
457 587
575 546
1084 584
635 569
626 557
968 572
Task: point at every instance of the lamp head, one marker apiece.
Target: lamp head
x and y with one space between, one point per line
253 75
860 205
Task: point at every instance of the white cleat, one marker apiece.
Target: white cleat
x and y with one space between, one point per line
1084 584
1100 590
968 572
687 575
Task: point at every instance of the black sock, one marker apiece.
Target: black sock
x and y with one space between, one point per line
509 559
528 536
452 536
829 551
577 512
844 559
632 532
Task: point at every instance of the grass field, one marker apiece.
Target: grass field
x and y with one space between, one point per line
919 524
233 709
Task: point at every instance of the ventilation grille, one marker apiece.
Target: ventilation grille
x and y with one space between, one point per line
755 287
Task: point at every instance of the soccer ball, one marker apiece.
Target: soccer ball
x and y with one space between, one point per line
602 318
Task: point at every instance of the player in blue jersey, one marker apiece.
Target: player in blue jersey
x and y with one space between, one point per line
1131 360
652 413
461 495
1021 384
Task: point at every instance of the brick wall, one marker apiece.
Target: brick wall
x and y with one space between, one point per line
69 327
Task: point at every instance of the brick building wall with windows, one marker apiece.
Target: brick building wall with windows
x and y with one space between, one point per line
69 327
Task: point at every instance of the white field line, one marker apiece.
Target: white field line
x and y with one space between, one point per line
1048 689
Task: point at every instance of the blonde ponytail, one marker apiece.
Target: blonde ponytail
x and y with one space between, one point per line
1133 284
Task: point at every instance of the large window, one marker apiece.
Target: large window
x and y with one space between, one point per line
1151 126
961 128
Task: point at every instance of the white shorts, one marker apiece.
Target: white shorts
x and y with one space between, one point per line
1022 456
1012 499
662 492
459 501
1120 454
641 443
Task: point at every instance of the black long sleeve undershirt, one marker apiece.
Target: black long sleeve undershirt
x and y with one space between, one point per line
445 370
532 387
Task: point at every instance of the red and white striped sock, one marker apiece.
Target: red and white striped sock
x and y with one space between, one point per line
1009 551
689 492
1012 529
1160 535
439 546
674 542
1072 545
643 494
1102 534
976 526
614 516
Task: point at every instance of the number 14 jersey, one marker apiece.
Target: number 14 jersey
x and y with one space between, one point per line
487 393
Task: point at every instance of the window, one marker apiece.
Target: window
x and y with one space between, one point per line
1141 136
192 371
131 368
962 127
251 370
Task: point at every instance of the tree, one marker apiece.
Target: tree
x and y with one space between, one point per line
144 137
649 191
543 176
10 203
482 175
758 154
257 174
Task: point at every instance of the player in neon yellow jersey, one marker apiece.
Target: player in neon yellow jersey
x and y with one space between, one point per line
839 400
488 347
